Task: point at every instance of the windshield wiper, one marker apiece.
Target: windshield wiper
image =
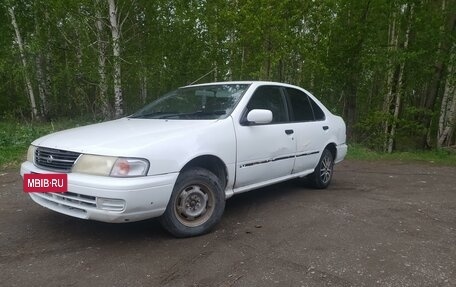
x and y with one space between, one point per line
170 115
206 113
154 115
192 116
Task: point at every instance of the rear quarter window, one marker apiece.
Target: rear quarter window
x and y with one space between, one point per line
318 112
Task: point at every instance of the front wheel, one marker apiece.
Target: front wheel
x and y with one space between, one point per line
321 177
196 204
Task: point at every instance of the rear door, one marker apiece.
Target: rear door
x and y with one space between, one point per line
311 129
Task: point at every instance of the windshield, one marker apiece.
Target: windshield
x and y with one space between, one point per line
195 103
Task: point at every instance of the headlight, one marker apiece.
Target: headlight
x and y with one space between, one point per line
31 153
94 164
111 166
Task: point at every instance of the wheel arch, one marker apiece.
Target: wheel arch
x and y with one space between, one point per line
333 149
212 163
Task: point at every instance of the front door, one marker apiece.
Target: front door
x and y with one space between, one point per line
267 151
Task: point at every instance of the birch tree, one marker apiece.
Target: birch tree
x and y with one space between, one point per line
387 66
400 83
448 26
101 52
115 32
392 48
42 55
28 83
447 119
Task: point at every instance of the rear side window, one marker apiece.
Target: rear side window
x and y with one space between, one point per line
300 105
318 112
304 109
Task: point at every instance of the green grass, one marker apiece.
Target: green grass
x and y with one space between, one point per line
439 157
15 138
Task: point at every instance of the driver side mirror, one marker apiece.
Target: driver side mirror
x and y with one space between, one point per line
259 116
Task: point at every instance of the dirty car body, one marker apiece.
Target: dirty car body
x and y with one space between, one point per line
183 155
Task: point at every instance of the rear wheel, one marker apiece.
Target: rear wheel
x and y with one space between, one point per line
196 204
321 177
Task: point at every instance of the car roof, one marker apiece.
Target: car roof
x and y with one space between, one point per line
243 82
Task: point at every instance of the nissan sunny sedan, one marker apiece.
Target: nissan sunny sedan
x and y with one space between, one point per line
180 157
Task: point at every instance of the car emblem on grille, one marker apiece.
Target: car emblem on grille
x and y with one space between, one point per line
50 159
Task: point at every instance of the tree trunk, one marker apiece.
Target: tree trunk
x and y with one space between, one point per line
115 32
447 119
102 85
392 46
40 63
28 84
397 106
42 87
215 71
143 80
399 89
242 62
433 89
79 90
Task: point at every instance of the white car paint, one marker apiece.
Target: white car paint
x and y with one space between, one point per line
169 144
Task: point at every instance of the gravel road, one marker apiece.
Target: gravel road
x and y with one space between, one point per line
379 224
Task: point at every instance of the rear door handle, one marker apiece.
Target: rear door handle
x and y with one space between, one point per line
325 128
289 132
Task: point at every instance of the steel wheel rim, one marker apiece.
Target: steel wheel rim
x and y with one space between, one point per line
194 205
326 169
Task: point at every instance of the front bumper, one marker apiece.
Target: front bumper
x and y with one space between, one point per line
108 199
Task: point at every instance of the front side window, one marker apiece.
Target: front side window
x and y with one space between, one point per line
195 103
269 98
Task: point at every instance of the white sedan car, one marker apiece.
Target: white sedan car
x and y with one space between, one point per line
180 157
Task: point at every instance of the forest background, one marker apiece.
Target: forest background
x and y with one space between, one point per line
388 67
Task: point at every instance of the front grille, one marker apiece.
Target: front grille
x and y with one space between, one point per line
54 159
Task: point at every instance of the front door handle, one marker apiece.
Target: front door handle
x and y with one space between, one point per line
325 128
289 132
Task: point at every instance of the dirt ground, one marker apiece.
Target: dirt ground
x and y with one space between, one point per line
379 224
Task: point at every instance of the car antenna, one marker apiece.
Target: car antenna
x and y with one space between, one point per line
211 71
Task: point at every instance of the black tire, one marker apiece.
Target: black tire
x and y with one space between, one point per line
196 204
321 177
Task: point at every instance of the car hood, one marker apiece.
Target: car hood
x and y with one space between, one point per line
122 137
